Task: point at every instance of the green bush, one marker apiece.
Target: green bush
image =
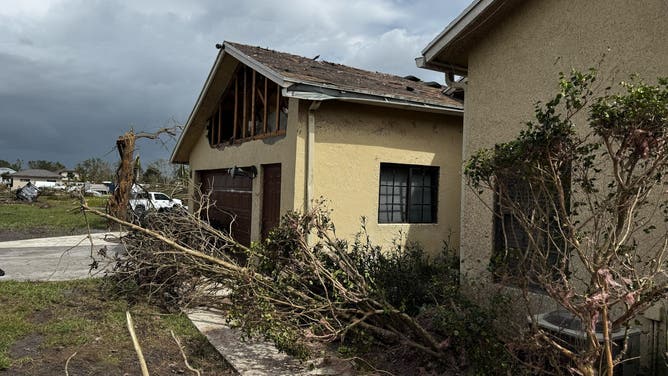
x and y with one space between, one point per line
428 288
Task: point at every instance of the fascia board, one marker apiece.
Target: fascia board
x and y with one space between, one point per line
454 29
256 65
318 94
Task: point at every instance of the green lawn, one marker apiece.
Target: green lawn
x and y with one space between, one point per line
44 323
57 213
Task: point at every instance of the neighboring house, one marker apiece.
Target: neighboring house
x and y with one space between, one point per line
271 132
69 175
39 178
4 175
510 53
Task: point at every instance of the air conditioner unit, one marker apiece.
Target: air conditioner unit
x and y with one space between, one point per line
566 327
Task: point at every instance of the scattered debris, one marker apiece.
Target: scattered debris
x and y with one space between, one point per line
28 193
292 291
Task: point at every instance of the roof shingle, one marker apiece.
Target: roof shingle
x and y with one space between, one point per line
337 76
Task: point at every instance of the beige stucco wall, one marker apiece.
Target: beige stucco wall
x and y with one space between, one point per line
351 141
18 184
517 64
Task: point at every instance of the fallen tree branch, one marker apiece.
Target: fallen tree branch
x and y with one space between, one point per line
286 289
67 363
183 354
135 342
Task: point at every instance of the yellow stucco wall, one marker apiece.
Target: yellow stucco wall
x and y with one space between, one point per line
351 141
517 64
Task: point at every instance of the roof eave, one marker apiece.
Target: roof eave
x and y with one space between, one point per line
453 32
441 67
319 93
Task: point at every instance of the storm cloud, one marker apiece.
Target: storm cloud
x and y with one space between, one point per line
76 74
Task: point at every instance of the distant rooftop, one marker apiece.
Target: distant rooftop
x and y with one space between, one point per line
36 173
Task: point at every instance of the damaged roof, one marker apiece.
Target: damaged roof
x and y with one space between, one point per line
294 69
311 80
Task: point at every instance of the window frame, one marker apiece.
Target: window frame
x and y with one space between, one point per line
505 267
411 171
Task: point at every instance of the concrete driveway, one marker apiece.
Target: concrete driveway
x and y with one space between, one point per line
54 259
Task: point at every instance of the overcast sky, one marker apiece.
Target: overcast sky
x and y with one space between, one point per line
76 74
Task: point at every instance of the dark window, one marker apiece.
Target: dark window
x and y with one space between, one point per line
408 193
521 256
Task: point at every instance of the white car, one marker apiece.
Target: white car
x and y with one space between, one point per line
159 201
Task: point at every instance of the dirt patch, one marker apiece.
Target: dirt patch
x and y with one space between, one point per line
65 318
41 316
27 346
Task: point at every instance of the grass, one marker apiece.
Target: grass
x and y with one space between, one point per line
56 319
56 213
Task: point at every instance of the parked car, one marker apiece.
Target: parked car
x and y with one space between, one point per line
143 201
93 193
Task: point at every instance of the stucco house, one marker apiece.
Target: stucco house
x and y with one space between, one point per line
69 175
509 53
4 175
39 178
271 132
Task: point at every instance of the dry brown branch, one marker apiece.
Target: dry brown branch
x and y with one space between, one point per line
183 354
135 343
288 289
67 364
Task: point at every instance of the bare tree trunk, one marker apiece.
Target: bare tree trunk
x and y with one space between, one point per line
125 174
118 203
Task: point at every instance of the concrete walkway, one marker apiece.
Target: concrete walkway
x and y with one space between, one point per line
256 357
54 259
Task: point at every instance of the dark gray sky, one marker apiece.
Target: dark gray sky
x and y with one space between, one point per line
76 74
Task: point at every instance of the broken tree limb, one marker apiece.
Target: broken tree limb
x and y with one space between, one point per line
183 354
135 343
67 364
282 288
169 242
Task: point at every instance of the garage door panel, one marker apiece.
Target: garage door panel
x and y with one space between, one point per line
232 202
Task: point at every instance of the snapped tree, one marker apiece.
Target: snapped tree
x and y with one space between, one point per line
581 209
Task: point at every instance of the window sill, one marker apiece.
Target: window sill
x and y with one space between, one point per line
247 139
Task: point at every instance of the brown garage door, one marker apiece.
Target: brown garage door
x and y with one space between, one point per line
232 202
